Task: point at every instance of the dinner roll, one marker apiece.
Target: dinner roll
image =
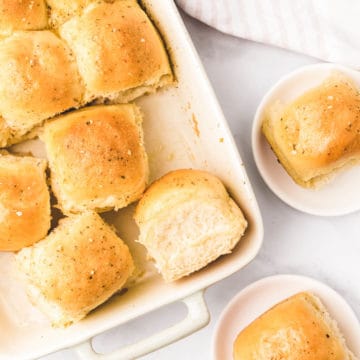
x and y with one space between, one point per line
299 328
38 80
22 15
97 158
24 201
186 220
76 268
119 52
63 10
318 133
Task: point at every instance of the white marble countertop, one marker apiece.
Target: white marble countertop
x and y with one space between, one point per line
327 249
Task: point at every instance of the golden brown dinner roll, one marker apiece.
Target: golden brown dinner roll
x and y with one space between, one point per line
38 80
97 157
186 220
299 328
318 133
119 52
77 267
22 15
24 202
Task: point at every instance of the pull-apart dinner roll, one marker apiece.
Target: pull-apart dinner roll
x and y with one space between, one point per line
76 268
318 133
38 79
22 15
63 10
299 328
119 53
24 202
97 157
186 220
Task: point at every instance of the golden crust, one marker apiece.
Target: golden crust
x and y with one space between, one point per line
24 202
186 221
97 157
185 183
76 268
317 133
293 329
38 80
118 50
22 15
6 136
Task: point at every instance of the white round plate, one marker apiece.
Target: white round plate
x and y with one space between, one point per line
260 296
341 195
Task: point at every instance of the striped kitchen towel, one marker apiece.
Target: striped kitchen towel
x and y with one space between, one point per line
325 29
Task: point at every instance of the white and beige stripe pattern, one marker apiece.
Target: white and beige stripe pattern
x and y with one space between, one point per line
326 29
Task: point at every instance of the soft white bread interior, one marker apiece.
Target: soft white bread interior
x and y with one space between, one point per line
318 133
120 54
97 157
22 15
38 80
299 328
63 10
76 268
186 220
24 202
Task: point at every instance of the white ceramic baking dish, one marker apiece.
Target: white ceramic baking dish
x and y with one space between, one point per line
184 128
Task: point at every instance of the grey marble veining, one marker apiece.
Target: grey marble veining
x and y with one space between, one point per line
327 249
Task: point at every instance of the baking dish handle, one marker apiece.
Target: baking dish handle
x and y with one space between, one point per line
197 317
